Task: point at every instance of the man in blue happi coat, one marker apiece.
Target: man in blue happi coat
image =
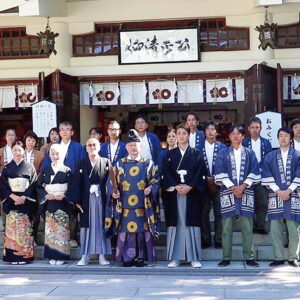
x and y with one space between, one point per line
237 171
209 152
114 149
196 136
281 174
72 153
261 147
150 144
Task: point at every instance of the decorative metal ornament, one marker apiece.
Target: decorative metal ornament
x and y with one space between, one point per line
267 33
47 40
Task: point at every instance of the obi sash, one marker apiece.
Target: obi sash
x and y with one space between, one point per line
56 189
19 184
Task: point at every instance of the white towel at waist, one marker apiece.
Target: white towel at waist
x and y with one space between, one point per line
19 184
56 189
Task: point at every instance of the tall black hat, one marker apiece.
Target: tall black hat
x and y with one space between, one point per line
132 136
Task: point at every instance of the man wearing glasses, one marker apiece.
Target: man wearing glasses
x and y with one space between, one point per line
72 153
114 149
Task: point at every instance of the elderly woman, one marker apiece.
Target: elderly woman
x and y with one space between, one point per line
17 184
90 198
52 187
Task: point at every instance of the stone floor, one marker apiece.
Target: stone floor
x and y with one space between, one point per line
69 282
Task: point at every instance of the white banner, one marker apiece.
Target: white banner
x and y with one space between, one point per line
7 97
291 87
133 93
27 95
190 91
222 90
162 92
103 93
271 122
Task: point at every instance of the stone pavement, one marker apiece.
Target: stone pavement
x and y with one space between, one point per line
69 282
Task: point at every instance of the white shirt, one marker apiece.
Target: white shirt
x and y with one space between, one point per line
238 158
182 151
28 156
138 158
9 156
113 149
65 147
274 186
256 147
209 150
55 170
192 139
297 145
145 149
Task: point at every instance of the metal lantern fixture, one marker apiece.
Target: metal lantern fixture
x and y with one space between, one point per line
47 40
267 33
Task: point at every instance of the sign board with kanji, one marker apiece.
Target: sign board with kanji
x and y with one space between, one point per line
271 122
43 117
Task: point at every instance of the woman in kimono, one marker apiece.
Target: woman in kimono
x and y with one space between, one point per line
89 187
17 184
52 187
184 179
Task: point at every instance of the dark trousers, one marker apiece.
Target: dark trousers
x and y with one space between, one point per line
261 207
73 224
211 200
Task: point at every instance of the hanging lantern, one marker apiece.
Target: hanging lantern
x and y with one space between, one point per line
267 33
47 40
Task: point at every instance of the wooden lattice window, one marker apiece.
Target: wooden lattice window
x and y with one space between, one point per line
288 36
15 43
102 42
216 36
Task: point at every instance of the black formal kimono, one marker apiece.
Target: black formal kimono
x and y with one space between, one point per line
55 181
182 212
20 180
89 190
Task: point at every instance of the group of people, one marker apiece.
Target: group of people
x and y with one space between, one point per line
115 188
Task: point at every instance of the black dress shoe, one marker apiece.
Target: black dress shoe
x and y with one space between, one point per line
294 263
205 245
252 263
128 264
224 263
261 231
276 263
140 263
218 245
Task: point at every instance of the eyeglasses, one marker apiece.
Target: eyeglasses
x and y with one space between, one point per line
113 129
65 130
91 145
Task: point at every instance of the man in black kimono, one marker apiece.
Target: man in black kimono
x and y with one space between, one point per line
184 177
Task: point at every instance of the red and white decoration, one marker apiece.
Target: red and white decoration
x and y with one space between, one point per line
27 95
104 94
222 90
162 92
291 87
133 93
190 91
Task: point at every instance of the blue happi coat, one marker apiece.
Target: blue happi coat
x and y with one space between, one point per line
120 153
217 148
249 173
199 143
265 148
74 154
273 173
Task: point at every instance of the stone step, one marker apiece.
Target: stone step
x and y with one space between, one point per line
259 239
262 253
